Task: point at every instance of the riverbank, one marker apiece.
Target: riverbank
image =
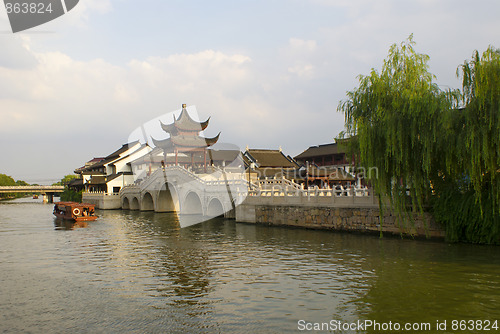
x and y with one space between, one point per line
338 213
353 215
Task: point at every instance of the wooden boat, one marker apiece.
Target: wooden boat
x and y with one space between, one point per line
78 212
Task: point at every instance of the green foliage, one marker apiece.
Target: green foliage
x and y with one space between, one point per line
480 152
21 183
71 195
465 218
428 151
6 180
396 116
66 179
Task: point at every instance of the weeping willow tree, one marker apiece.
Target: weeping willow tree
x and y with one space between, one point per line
396 116
481 157
469 203
427 149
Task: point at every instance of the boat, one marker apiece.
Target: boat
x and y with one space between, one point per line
78 212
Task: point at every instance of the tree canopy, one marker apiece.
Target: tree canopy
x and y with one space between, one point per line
69 194
66 179
429 144
6 180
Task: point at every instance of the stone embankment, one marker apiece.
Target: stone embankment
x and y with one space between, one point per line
354 214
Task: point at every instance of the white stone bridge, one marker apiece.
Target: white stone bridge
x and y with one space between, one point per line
175 189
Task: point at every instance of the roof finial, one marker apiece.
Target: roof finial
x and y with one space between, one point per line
183 106
280 148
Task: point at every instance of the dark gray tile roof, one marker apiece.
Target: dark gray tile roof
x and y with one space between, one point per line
270 158
320 150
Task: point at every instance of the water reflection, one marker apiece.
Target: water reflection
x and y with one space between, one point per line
433 281
139 272
61 224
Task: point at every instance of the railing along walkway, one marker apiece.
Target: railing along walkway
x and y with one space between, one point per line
14 189
160 172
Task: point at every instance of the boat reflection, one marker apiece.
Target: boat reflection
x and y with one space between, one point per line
61 224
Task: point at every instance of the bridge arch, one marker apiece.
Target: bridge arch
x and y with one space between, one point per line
125 204
134 204
168 199
192 204
147 203
215 208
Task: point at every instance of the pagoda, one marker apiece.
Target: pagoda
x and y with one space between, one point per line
185 138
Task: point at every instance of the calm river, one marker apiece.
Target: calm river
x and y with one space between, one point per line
132 272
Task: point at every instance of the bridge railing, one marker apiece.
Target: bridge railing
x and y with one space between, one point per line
285 188
146 182
269 187
100 193
12 189
277 182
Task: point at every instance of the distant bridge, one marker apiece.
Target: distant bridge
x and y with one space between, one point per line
46 191
31 189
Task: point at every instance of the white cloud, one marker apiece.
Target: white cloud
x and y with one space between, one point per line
297 44
304 70
125 94
15 52
59 90
79 16
95 104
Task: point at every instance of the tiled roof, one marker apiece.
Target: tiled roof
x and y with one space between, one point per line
223 155
97 180
112 156
320 150
128 155
185 141
269 158
184 123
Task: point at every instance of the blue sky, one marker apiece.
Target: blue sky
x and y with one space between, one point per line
270 73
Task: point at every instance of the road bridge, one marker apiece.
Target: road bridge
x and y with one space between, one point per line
47 191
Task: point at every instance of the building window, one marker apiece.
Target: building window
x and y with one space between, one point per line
116 190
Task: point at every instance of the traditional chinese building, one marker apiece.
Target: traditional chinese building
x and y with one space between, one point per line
185 145
268 163
328 164
110 174
330 155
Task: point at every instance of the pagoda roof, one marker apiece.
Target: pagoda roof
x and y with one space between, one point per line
185 142
184 123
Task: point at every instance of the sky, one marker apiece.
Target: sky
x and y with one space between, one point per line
269 73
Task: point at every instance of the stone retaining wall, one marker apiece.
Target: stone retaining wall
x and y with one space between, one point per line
102 201
358 219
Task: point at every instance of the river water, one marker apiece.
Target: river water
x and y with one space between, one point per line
133 272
